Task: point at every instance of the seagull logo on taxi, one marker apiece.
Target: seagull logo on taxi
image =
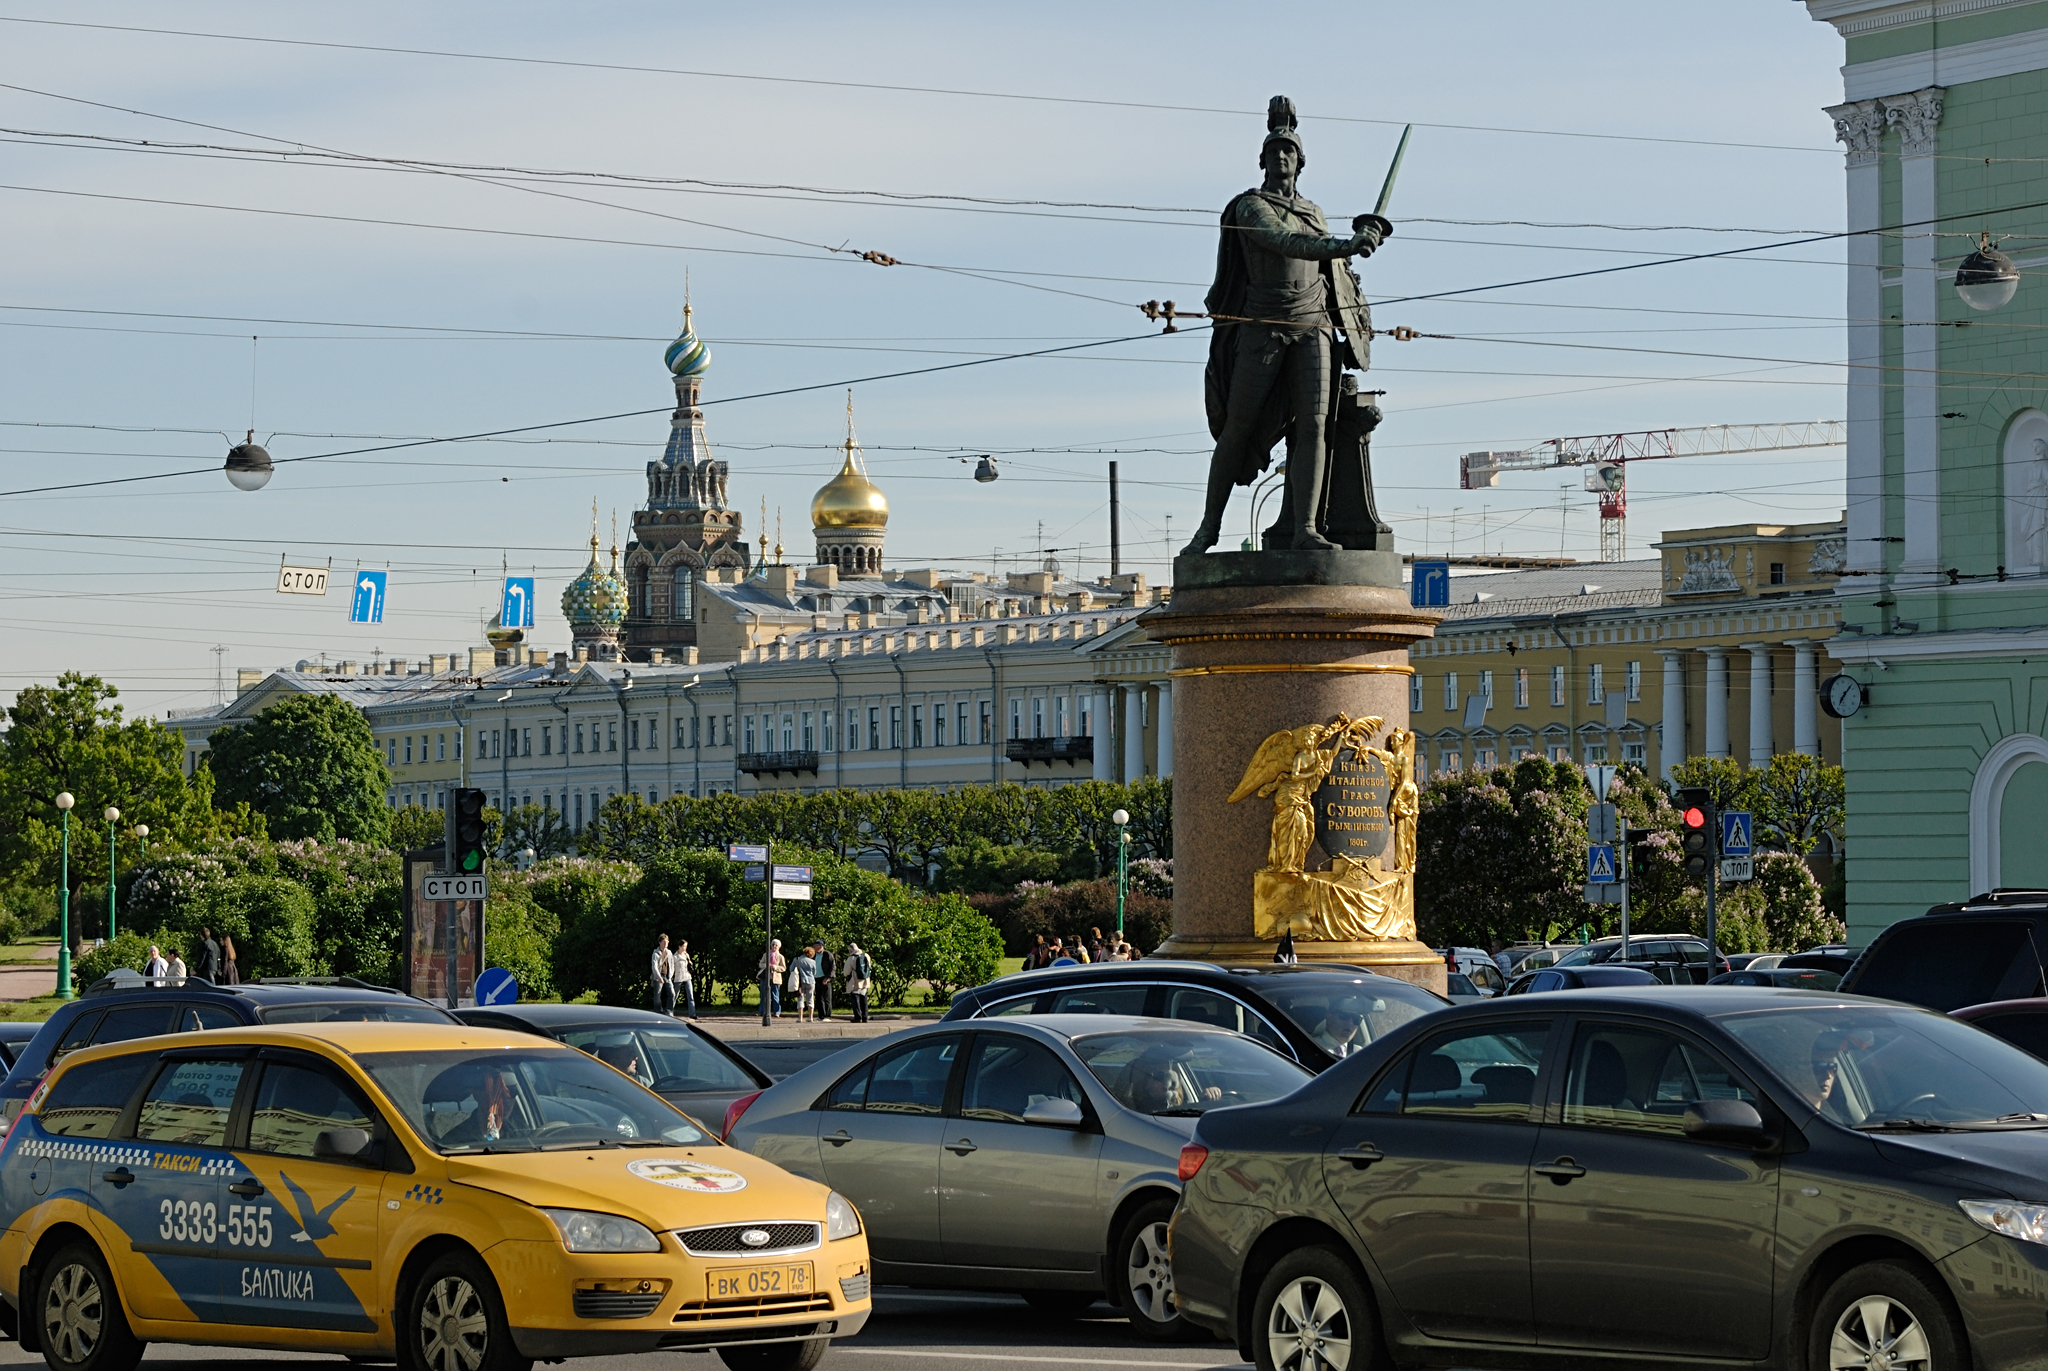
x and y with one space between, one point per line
755 1237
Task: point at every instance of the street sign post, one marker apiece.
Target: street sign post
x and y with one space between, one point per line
757 856
1600 864
801 875
790 890
1603 824
1429 585
367 607
1738 868
747 852
497 986
456 888
755 872
1600 777
515 608
1737 831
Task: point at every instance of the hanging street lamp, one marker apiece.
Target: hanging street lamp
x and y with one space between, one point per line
113 860
1122 820
64 803
1987 277
248 466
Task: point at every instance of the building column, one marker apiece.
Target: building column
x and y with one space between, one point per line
1162 720
1671 744
1805 698
1860 127
1915 116
1760 746
1099 726
1717 701
1134 733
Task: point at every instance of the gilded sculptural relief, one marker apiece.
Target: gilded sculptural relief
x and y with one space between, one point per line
1359 803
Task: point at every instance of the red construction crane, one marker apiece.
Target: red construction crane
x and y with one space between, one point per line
1609 453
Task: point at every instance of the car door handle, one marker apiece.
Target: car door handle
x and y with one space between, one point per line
839 1139
250 1187
962 1148
120 1176
1563 1171
1361 1156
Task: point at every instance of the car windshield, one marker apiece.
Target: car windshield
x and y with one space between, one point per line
1344 1013
524 1101
1872 1067
393 1010
1182 1073
671 1061
1456 984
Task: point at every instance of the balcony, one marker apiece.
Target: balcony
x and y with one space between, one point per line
778 763
1049 750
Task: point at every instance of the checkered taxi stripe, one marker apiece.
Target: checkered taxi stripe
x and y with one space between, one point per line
112 1154
425 1194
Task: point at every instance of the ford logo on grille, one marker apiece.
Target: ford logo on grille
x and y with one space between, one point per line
755 1237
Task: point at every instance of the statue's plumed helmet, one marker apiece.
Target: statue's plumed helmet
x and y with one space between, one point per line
1281 128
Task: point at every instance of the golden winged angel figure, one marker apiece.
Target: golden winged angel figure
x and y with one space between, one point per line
1290 765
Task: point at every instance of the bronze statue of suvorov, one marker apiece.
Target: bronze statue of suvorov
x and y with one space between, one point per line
1290 322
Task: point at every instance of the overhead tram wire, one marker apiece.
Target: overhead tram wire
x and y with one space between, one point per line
882 87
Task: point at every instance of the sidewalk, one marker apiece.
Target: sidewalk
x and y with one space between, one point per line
735 1028
32 979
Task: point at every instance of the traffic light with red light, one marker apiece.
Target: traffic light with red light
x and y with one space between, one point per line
1699 832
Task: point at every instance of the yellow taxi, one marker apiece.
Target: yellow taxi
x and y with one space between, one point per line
461 1199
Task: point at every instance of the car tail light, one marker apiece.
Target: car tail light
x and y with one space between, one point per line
1191 1158
733 1112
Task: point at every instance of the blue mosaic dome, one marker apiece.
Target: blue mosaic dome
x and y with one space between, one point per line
596 599
687 355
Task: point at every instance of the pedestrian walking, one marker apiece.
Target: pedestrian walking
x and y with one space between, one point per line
770 973
685 990
1284 953
804 972
230 972
661 987
1098 951
827 966
209 957
177 966
156 967
860 971
1039 957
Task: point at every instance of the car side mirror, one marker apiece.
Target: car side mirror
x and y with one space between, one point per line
1735 1122
347 1144
1053 1113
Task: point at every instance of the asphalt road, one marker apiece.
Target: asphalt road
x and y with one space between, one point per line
910 1331
785 1058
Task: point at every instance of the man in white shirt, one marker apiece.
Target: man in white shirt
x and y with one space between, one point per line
156 967
660 976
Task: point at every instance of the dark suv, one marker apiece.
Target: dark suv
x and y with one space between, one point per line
124 1005
1675 959
1989 947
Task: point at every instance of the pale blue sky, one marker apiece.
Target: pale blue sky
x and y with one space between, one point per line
145 612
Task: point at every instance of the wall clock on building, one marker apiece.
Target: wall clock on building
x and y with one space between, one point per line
1842 696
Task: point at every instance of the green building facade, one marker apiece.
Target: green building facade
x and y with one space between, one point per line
1945 593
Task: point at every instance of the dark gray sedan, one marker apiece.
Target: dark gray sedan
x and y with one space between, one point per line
1035 1154
684 1065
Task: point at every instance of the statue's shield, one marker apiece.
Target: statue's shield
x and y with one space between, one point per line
1351 807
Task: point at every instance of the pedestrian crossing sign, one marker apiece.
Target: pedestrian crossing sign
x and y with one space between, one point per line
1600 864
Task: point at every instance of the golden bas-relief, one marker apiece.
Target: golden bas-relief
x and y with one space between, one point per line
1360 803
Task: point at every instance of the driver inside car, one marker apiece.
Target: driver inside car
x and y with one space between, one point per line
1154 1083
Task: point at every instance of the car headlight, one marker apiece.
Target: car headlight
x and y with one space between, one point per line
2027 1222
583 1231
840 1219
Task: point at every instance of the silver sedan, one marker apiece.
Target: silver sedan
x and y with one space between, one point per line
1039 1154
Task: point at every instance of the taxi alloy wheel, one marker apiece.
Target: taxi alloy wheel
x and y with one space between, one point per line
1313 1315
1885 1316
457 1320
82 1327
1145 1275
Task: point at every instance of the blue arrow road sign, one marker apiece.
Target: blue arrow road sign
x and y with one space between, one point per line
368 605
1600 864
1736 833
1429 584
496 986
516 610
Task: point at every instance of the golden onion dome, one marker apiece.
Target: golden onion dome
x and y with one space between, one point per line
850 499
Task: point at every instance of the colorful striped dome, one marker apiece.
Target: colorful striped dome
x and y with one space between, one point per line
596 599
687 355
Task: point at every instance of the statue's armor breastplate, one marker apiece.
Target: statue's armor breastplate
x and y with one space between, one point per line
1287 288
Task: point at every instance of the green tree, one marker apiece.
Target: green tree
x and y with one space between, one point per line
1797 799
309 765
1723 776
540 827
270 918
977 866
416 826
1501 854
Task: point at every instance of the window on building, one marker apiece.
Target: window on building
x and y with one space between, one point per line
1596 688
1451 763
810 739
579 814
458 745
874 729
1556 688
1486 687
1059 716
1560 752
440 747
526 742
1483 759
1595 752
788 732
726 731
1777 573
1038 716
611 736
1084 711
750 735
632 735
1450 690
1635 681
579 737
895 726
1634 755
547 740
826 718
1415 694
987 721
853 730
654 733
1521 687
960 717
679 604
917 725
939 725
408 751
391 752
1016 717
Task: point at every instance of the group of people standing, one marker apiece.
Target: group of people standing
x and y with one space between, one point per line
671 979
213 962
1094 948
809 979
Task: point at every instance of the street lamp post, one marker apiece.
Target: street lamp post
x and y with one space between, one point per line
64 803
113 859
1122 820
142 836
